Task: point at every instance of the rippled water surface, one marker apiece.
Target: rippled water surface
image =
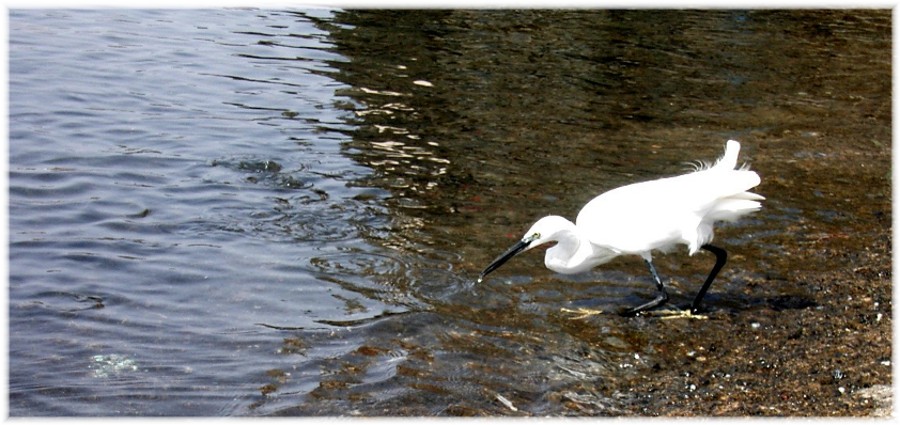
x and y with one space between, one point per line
255 212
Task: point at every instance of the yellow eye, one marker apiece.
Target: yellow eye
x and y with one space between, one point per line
536 236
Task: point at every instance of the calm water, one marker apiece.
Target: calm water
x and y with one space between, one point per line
245 212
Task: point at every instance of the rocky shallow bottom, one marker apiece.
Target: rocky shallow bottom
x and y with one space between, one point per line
825 351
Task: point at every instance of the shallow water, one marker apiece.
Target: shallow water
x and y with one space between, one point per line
254 212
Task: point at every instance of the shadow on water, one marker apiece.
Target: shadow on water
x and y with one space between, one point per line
479 122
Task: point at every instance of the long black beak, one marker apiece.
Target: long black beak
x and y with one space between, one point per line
510 253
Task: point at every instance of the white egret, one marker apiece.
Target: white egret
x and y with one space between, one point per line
652 215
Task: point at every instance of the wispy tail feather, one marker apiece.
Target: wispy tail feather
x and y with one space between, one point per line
731 209
728 161
730 187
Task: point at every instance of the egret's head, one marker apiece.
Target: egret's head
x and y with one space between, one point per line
544 231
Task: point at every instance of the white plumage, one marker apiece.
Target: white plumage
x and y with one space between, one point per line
652 215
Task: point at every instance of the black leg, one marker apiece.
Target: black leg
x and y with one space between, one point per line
721 257
659 300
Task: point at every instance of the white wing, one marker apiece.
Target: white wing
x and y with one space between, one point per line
660 213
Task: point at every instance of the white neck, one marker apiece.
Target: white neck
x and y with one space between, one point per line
569 253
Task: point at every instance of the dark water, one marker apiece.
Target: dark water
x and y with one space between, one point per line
245 212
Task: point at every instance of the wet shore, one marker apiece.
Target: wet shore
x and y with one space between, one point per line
822 348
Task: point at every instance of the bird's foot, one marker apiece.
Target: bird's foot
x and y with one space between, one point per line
675 314
583 313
